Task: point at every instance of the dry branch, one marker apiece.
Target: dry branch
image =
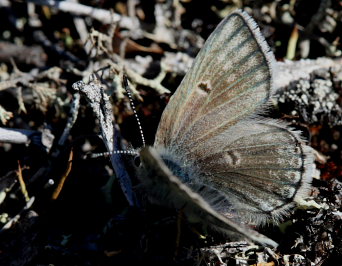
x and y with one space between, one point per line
101 15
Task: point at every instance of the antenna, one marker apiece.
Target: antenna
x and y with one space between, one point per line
104 154
128 91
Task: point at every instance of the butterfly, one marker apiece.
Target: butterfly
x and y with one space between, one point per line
215 156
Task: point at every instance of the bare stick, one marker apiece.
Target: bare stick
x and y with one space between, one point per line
71 120
17 136
101 15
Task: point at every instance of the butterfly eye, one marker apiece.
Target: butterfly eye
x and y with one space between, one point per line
137 161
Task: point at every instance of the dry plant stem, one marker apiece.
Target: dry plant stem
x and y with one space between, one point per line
20 99
179 10
131 7
22 183
24 78
43 139
101 15
103 42
291 47
40 37
102 108
82 31
52 73
71 120
21 80
315 20
5 3
163 30
16 136
60 185
33 17
180 217
22 54
138 79
5 115
17 217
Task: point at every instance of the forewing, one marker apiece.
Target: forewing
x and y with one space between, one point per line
229 80
261 168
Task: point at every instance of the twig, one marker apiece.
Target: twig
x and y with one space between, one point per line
40 37
5 115
103 43
34 55
5 3
317 18
16 136
71 120
22 183
83 32
20 99
291 47
101 15
17 217
25 79
152 83
60 185
138 79
42 139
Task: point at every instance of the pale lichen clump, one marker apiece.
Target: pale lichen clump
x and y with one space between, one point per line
313 99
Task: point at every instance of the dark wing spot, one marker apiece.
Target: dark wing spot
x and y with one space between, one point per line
204 87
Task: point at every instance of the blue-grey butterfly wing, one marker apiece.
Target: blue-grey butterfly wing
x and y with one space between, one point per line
230 78
259 168
162 184
237 161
